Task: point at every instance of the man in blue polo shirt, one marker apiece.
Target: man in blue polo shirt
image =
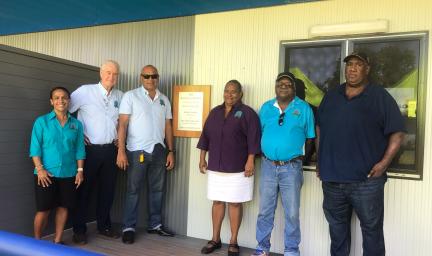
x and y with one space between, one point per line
360 129
286 123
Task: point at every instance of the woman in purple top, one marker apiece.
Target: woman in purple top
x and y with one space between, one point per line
231 135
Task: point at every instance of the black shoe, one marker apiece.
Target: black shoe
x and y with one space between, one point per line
211 246
128 237
80 239
233 250
109 233
160 231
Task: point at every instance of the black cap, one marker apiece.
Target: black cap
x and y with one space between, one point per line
288 75
359 55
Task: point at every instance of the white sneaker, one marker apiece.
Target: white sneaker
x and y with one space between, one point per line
260 253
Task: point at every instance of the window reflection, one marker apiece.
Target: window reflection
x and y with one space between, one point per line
395 65
318 70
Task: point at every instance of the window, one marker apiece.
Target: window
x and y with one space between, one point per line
397 63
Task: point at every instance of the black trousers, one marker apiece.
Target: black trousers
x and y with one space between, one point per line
100 172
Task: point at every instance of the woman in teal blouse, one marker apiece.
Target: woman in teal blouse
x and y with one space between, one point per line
58 153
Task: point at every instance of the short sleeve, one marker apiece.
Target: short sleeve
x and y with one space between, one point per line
253 133
204 139
77 99
80 147
36 138
321 108
120 95
168 113
126 104
261 116
393 120
310 126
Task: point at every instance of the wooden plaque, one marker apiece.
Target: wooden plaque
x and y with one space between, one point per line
191 106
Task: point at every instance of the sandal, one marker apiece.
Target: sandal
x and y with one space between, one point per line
211 246
236 248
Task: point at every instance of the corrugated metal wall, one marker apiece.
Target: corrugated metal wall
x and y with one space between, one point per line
167 44
245 45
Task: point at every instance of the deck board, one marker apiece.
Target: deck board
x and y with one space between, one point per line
146 244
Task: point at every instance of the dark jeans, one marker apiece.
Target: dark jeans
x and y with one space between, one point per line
100 167
367 200
154 168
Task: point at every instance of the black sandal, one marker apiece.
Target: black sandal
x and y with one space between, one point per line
233 253
211 247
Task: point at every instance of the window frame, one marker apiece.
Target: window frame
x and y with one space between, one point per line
347 46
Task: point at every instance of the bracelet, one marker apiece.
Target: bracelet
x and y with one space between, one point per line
80 169
38 167
172 150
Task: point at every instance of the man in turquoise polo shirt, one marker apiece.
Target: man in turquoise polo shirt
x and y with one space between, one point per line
287 123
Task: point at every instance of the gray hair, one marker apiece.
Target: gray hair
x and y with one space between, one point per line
106 62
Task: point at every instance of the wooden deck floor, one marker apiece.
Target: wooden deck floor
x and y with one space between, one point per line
146 244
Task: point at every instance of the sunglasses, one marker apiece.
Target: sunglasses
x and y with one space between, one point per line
281 119
154 76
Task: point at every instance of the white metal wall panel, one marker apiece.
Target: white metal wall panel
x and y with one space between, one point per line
167 44
245 45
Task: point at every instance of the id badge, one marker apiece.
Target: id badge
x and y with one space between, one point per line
141 157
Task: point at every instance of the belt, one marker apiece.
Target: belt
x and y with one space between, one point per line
280 163
101 145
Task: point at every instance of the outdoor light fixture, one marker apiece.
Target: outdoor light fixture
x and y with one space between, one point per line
363 27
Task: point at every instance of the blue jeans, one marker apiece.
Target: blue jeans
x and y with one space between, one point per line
288 179
154 168
367 200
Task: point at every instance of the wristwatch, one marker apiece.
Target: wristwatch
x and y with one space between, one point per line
172 150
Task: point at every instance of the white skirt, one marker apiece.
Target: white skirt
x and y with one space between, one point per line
229 187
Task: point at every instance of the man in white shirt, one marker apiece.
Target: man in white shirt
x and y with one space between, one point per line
98 110
145 115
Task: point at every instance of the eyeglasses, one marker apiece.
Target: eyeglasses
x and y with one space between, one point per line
153 76
281 119
284 85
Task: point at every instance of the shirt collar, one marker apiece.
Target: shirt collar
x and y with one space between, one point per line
341 89
52 114
103 90
236 106
145 92
294 102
